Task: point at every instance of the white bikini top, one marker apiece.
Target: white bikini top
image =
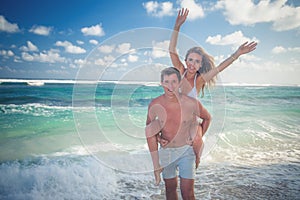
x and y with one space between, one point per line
193 93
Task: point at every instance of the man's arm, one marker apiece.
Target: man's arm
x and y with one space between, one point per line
152 142
151 131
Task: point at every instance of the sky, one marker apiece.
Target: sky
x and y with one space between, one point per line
128 40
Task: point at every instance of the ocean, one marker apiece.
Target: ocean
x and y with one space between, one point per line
70 140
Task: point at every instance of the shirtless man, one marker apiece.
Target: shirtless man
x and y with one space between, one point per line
176 114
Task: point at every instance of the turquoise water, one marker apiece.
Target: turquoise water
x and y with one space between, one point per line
86 141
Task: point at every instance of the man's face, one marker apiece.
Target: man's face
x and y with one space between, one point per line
170 84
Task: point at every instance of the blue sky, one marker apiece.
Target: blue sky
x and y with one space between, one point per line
99 39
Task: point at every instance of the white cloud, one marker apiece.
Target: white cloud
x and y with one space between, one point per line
123 48
281 49
160 49
133 58
195 10
6 26
278 50
80 42
41 30
70 48
237 38
246 12
80 61
6 53
94 42
159 9
290 21
28 57
96 30
30 47
262 72
106 61
10 53
8 69
295 61
100 62
106 48
294 49
17 59
57 72
51 56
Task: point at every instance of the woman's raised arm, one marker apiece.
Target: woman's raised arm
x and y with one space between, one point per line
243 49
181 17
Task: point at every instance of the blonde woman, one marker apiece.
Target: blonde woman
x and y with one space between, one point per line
198 70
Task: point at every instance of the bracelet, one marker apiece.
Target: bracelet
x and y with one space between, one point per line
233 58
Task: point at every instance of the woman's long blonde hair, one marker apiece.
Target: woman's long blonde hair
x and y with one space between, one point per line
206 65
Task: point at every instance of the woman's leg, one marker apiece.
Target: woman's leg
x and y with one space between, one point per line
198 144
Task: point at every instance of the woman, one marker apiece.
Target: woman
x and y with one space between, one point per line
199 71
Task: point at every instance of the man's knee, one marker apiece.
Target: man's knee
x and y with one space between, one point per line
187 188
171 184
187 194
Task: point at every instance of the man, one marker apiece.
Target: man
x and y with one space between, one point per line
174 115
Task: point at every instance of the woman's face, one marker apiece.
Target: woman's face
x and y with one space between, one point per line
193 62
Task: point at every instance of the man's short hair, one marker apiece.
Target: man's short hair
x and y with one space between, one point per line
169 71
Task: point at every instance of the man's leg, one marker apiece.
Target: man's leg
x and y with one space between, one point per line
187 189
187 171
171 188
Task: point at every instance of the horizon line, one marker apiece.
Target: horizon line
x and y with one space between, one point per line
83 81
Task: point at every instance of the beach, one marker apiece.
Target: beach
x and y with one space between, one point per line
83 140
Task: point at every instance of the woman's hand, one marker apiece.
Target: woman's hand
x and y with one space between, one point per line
245 48
157 175
181 17
163 142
